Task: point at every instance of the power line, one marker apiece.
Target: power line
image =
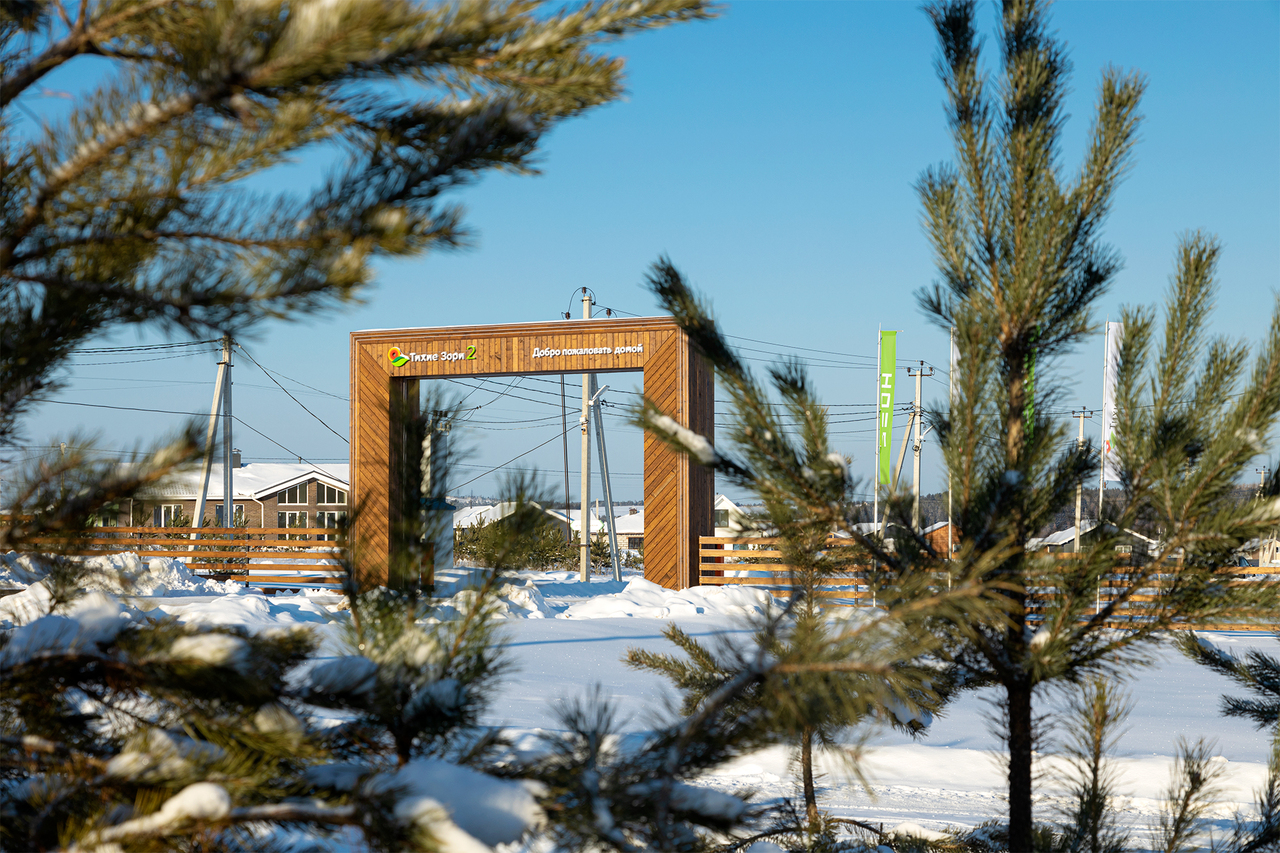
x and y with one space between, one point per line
806 349
297 382
290 396
240 421
146 347
514 458
612 473
137 360
121 408
236 418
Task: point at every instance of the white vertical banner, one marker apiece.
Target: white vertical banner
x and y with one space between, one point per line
1110 367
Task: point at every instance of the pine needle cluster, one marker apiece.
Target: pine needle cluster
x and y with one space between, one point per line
151 200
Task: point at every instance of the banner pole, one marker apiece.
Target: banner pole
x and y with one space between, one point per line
875 476
1102 468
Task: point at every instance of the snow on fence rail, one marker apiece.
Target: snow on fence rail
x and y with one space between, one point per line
756 561
255 556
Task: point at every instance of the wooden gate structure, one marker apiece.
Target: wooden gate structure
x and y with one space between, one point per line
387 364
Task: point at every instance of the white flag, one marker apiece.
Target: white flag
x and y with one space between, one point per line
1110 367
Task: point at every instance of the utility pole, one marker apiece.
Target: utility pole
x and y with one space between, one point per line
1080 416
584 528
210 436
611 522
918 415
564 437
1262 485
228 502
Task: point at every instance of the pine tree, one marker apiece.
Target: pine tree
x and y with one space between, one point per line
639 797
806 707
891 667
1021 261
118 730
1089 824
142 205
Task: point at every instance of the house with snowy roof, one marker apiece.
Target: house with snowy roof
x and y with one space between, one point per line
630 528
475 516
264 494
1063 541
1261 552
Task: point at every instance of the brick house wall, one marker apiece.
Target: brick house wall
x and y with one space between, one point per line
937 539
262 513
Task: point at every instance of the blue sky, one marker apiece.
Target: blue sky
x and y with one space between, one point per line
771 153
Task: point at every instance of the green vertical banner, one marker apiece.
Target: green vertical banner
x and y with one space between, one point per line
884 404
1029 385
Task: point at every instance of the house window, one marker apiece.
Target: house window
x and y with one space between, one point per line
1124 549
168 515
291 519
294 496
330 496
237 514
330 520
722 518
635 543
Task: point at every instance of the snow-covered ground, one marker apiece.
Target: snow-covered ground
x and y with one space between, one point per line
565 638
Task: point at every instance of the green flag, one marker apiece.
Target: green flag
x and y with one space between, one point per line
884 403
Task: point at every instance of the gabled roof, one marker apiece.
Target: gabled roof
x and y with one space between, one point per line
472 515
1062 537
255 481
631 524
723 502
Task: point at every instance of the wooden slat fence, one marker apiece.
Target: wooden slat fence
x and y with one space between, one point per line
757 562
264 557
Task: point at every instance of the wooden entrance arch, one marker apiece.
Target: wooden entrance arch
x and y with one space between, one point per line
679 494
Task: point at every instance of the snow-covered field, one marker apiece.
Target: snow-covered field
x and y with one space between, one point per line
565 638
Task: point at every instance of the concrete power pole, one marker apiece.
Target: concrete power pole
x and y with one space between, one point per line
210 437
918 415
1080 416
610 522
228 501
584 528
